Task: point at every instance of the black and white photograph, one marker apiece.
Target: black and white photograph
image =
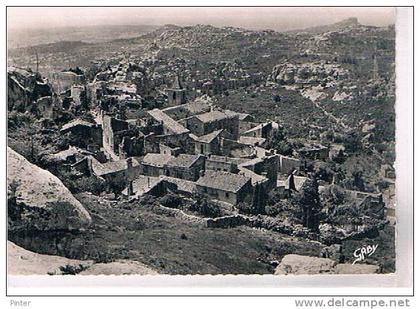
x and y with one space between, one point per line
149 141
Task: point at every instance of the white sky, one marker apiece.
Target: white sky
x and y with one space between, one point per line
285 18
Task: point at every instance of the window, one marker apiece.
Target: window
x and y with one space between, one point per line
227 194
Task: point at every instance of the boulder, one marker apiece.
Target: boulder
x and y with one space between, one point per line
293 264
119 267
356 269
38 200
24 262
304 265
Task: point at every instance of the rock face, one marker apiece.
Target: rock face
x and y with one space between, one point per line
304 265
119 267
293 264
24 262
38 200
356 269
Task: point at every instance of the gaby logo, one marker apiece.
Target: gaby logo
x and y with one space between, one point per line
361 253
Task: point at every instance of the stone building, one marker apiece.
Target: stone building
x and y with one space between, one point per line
266 167
200 105
154 164
170 126
112 135
176 93
222 163
120 140
63 81
224 186
78 95
82 133
314 152
185 166
262 130
116 172
208 144
215 120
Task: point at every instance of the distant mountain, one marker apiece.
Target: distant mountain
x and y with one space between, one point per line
349 22
88 34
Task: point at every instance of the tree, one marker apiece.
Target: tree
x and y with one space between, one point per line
308 204
280 143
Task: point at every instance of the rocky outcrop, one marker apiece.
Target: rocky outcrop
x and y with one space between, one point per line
119 267
38 200
344 269
310 73
24 262
304 265
293 264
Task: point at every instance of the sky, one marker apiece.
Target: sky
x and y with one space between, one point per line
279 19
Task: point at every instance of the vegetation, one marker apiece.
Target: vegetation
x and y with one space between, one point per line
309 207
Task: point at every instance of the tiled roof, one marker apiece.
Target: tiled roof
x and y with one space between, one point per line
223 181
183 160
182 184
215 116
156 159
168 122
208 138
74 123
142 184
255 178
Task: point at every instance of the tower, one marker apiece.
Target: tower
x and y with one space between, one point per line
176 94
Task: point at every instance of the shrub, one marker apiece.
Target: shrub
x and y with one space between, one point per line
205 207
171 200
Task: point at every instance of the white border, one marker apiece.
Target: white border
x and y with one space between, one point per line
397 284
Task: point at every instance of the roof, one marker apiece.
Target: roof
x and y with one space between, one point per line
23 72
243 116
75 123
216 115
156 159
182 184
255 178
168 122
101 169
249 140
223 181
251 162
64 154
142 184
198 106
188 109
208 138
183 160
258 127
